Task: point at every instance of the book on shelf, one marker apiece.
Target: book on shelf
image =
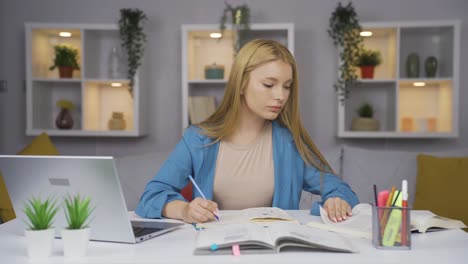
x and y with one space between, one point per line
360 224
200 108
276 237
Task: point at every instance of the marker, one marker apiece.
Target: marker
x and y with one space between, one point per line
404 203
203 196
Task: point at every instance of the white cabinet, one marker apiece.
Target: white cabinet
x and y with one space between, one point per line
409 107
95 91
200 50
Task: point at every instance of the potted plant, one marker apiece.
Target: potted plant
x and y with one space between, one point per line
344 29
66 60
133 39
240 22
39 233
367 61
64 119
76 235
365 120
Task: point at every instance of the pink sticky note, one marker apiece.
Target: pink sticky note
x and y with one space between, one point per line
235 250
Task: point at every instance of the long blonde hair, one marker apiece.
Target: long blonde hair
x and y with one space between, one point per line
223 121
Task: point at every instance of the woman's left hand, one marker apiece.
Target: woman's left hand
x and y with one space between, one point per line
338 210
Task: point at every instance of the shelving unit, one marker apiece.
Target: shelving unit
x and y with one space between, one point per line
404 109
95 93
199 50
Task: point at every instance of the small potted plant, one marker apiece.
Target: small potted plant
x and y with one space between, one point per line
76 235
365 120
64 119
367 61
66 60
39 233
240 22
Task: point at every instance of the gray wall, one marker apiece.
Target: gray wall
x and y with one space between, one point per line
315 53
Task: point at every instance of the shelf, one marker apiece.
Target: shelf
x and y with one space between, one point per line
383 40
385 134
57 80
84 133
208 81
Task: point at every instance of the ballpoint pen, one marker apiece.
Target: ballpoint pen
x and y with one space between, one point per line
203 196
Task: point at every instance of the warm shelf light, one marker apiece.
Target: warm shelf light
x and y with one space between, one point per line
116 84
65 34
215 35
419 84
365 33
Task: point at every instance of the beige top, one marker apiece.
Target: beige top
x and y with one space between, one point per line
244 174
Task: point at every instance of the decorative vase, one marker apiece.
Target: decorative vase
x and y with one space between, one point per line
412 65
64 119
117 121
39 242
430 66
75 242
65 72
367 72
214 71
365 124
114 64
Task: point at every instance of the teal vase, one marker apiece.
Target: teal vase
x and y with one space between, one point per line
412 65
431 66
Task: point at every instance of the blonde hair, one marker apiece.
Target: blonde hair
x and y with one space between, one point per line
223 121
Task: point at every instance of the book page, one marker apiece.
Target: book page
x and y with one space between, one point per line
424 220
358 225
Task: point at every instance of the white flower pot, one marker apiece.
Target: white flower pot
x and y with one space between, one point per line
75 242
39 242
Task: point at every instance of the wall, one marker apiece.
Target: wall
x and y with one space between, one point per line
316 59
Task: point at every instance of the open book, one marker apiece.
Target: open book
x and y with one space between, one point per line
360 224
260 215
276 237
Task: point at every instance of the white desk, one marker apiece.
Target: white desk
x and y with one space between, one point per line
176 247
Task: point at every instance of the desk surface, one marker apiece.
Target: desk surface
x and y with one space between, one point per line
449 246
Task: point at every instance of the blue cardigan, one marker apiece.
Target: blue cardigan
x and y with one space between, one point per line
194 156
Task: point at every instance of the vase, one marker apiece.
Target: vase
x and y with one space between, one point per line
117 121
64 119
365 124
367 72
75 242
430 66
114 64
412 65
39 242
65 71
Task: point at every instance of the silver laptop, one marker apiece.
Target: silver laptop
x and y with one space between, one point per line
57 176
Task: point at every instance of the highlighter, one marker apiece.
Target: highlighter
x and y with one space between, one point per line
393 224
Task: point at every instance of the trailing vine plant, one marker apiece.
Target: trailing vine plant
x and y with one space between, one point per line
133 39
344 29
240 21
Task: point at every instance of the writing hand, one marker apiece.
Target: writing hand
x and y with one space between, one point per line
338 210
199 210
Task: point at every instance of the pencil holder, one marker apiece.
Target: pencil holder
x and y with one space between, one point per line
391 227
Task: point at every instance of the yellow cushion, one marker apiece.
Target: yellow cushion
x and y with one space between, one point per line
441 186
41 145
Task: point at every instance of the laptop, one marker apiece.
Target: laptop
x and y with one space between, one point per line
96 177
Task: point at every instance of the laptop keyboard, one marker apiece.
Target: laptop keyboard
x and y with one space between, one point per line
142 231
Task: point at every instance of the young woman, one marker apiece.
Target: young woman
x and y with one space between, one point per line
252 152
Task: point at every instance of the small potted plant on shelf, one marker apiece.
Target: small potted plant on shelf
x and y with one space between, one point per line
365 120
367 61
76 235
344 29
64 119
39 233
240 22
66 60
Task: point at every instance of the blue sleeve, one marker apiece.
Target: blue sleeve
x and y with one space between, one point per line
166 185
327 185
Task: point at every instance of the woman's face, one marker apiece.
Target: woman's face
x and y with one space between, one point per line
268 89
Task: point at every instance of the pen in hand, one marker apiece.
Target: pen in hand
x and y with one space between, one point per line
203 196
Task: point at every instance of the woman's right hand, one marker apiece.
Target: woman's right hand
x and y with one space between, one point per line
199 210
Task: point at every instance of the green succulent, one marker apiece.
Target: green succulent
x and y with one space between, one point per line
369 57
40 212
365 110
77 211
65 55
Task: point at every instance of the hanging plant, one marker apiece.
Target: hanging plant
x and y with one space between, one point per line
240 22
344 29
133 39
